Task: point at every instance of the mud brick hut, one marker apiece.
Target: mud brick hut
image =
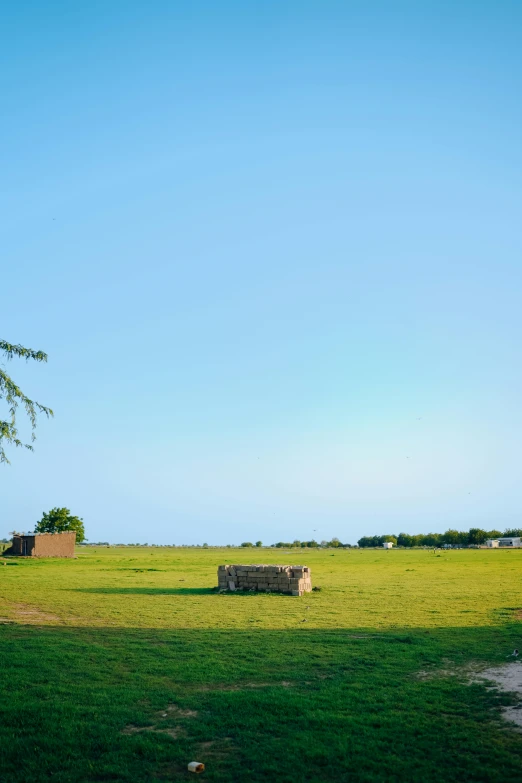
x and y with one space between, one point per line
291 580
44 544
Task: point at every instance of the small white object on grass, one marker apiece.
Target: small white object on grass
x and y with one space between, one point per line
196 766
514 654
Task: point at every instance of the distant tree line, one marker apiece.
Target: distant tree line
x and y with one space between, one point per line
473 537
309 544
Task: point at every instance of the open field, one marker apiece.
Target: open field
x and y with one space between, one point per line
124 665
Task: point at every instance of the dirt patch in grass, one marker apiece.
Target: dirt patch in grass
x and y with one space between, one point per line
177 712
170 711
32 615
450 669
242 686
507 677
174 732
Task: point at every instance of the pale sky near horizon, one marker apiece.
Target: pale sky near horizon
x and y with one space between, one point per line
272 250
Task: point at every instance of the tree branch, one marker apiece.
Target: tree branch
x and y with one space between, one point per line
14 397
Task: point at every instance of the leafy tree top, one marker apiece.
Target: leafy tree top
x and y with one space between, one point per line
60 520
14 397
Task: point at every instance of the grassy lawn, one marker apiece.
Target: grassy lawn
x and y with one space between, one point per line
124 665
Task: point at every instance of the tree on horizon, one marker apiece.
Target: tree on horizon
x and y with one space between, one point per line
60 520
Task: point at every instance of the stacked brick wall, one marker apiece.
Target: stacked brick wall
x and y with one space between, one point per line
291 580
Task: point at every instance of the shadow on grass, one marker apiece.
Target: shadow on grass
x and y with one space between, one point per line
302 704
254 595
147 590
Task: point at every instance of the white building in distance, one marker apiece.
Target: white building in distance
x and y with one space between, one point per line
387 545
501 543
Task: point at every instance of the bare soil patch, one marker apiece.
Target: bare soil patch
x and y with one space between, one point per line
245 686
175 732
507 677
170 711
173 709
32 615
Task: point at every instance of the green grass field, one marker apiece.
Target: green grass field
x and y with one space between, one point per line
124 665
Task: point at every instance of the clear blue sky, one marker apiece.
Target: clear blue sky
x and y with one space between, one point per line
273 251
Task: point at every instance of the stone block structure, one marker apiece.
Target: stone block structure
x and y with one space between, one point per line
44 544
291 580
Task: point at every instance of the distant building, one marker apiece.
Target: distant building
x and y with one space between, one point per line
44 544
498 543
387 545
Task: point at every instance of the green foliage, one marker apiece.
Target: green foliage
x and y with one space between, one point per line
371 541
259 543
453 537
14 396
308 544
475 536
60 520
247 544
